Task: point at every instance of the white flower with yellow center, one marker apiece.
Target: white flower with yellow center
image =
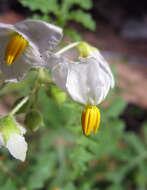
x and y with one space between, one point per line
87 82
11 136
22 46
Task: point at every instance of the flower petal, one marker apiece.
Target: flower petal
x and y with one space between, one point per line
5 36
104 65
17 71
44 35
6 29
51 59
22 129
41 36
85 82
17 146
29 58
59 74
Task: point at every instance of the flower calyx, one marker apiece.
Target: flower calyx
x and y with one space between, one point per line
8 126
85 50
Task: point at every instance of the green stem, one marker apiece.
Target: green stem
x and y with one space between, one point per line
66 48
19 106
35 90
41 75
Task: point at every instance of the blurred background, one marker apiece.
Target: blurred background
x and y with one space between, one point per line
59 156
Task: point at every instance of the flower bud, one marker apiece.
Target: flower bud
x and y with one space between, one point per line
58 96
11 136
33 120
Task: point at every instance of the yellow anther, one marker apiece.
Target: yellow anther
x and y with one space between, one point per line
14 48
90 119
84 49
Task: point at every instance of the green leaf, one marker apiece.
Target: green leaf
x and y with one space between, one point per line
45 17
134 142
80 158
46 6
9 185
85 4
116 107
73 34
116 187
84 18
141 175
108 137
55 116
86 186
41 171
68 186
51 112
117 175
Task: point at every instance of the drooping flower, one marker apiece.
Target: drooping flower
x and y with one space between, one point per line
22 46
87 82
86 50
11 136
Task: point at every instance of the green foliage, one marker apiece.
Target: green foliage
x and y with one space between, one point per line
57 95
45 6
62 12
115 111
10 184
60 156
73 34
42 172
84 18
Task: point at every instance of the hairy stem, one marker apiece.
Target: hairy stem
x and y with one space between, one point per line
66 48
18 106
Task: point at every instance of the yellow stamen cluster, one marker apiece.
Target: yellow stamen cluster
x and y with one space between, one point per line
90 119
14 49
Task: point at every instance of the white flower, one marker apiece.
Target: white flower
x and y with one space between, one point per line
11 136
87 82
22 46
